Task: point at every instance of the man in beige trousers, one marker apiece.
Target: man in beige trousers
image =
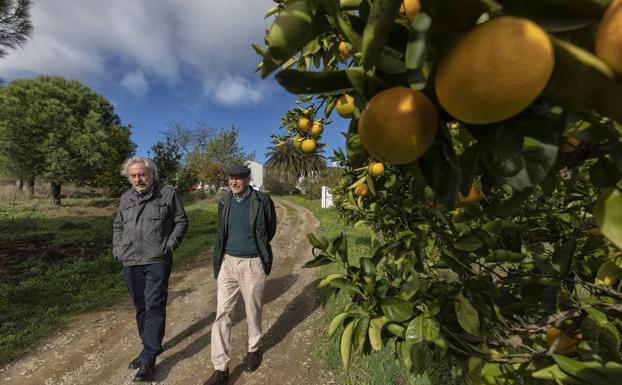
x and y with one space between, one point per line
242 260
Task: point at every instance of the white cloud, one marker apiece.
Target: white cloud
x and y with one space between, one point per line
94 41
235 90
135 82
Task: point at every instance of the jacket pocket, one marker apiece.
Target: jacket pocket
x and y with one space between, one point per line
156 216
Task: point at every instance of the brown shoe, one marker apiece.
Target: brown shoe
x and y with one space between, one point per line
220 377
253 359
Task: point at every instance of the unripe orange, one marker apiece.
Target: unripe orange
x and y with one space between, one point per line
345 106
474 196
375 169
410 8
304 124
345 50
308 146
398 125
362 190
316 129
608 45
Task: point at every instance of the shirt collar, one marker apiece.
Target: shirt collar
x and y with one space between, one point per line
247 192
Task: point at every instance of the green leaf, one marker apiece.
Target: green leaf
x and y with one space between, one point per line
336 322
509 206
375 331
331 82
416 47
397 330
467 315
396 309
320 260
468 165
554 373
583 82
505 256
432 332
345 347
604 173
368 267
327 280
317 242
520 151
381 20
608 215
562 257
468 242
500 226
290 30
343 26
441 171
590 372
360 332
413 353
345 285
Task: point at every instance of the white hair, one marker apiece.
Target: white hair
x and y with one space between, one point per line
148 163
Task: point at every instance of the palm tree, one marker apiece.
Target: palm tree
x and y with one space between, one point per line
286 160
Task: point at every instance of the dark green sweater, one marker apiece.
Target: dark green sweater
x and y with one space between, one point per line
240 241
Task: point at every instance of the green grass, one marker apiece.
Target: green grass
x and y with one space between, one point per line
379 368
57 263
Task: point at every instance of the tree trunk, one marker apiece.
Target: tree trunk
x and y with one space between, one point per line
55 193
30 188
19 186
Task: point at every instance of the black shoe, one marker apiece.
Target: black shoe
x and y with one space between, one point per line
220 377
135 363
253 359
145 373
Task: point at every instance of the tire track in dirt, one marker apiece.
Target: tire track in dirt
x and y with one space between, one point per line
96 348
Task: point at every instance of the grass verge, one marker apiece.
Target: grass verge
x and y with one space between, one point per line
379 368
57 263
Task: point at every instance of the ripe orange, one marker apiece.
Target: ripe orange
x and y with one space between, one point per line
474 196
298 140
375 169
494 71
608 45
567 343
362 190
569 145
345 50
398 125
345 106
316 129
410 8
304 124
308 146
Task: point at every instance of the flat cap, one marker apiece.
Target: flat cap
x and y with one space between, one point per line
237 170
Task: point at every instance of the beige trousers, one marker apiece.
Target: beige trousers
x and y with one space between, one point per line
237 275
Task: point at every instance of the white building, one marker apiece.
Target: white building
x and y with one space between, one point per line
256 175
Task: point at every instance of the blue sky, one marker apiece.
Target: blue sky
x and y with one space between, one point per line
162 61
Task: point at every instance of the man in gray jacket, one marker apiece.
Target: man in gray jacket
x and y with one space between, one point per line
150 224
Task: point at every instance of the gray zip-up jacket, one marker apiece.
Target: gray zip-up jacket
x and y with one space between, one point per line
148 231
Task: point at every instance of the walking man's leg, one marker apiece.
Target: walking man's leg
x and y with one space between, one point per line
252 286
134 279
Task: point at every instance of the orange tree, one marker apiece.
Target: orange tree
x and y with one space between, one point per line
498 204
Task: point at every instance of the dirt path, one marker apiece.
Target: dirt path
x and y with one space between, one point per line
96 348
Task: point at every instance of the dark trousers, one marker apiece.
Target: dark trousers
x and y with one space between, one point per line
148 287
